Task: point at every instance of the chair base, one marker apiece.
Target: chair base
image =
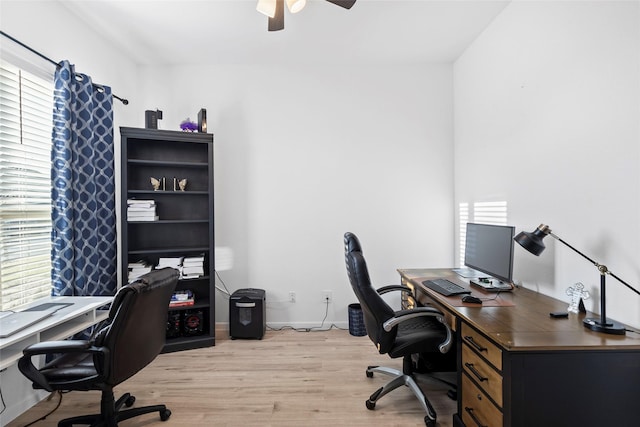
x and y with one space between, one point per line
111 412
400 378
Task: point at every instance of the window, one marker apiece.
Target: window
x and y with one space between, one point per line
25 186
483 213
463 219
490 213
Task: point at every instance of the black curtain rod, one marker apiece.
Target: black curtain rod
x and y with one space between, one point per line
123 100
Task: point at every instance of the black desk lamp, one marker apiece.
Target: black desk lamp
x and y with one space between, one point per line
533 243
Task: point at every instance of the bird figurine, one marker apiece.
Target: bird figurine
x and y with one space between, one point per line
182 184
155 183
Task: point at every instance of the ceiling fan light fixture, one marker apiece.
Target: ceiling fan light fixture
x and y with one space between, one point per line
296 6
267 7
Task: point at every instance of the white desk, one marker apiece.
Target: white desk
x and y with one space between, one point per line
82 314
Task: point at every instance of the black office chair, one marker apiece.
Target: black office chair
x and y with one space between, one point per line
133 337
404 333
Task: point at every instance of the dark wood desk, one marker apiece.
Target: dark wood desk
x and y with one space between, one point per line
518 367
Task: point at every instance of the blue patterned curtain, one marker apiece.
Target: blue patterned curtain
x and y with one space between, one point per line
83 187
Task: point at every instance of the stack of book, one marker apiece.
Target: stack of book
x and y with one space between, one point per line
182 299
137 269
192 267
173 262
141 210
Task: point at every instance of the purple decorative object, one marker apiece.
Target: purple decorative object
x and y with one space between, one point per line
188 126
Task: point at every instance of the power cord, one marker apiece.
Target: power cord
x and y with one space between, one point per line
313 328
44 417
4 405
491 299
225 290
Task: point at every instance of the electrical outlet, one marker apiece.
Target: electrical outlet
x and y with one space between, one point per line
327 296
292 296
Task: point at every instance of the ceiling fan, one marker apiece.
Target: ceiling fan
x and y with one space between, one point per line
274 9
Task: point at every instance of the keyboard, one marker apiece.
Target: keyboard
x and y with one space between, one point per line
445 287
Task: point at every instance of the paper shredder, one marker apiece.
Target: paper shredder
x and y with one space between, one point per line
247 314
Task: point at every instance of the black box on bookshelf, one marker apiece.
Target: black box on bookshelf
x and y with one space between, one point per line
202 120
173 324
193 323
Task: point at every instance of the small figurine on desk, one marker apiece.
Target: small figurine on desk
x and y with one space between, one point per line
577 294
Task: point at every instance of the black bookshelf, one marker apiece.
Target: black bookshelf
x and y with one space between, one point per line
185 224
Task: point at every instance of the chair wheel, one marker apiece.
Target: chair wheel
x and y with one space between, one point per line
130 401
164 415
370 405
369 374
429 422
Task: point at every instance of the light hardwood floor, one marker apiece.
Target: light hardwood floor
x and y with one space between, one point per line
286 379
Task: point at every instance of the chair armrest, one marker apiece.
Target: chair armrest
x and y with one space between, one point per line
392 288
401 288
45 347
403 315
29 370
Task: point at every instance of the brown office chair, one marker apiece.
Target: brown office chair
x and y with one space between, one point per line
404 333
134 336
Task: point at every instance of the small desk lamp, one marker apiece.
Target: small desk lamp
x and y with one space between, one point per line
533 243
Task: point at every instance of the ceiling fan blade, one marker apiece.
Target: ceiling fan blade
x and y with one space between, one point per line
343 3
277 22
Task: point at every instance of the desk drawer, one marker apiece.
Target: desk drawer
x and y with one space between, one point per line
482 346
489 379
477 409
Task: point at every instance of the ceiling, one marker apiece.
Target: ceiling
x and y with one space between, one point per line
165 32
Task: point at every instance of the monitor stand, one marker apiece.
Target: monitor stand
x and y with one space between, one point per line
491 285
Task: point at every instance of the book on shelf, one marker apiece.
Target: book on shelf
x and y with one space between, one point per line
141 210
137 269
144 218
192 270
185 303
186 263
173 262
183 298
140 203
192 267
194 259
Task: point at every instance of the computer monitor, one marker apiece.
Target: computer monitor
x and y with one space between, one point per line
489 249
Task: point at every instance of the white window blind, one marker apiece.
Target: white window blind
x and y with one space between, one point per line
25 186
494 213
463 219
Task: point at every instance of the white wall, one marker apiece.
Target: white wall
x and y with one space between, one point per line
547 117
56 33
305 153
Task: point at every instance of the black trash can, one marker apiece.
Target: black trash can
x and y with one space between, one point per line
356 321
247 314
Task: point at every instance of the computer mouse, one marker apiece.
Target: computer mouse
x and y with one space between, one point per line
472 299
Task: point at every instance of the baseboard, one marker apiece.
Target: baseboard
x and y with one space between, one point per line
308 325
222 328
